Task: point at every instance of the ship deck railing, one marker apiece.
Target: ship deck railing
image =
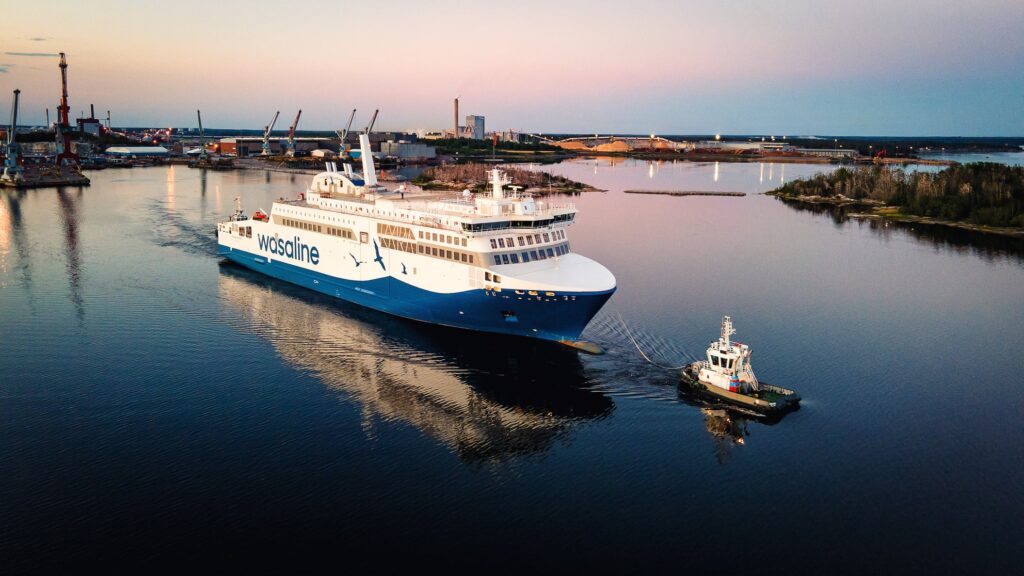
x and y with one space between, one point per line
423 214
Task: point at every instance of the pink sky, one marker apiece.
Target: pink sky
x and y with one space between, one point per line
668 67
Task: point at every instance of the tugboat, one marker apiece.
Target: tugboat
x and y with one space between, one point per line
727 374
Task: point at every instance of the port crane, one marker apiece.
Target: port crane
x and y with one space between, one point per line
343 134
291 135
63 128
266 135
11 169
202 137
373 121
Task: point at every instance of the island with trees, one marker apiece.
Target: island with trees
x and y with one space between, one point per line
983 196
474 176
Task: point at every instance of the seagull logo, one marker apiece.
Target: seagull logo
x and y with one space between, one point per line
379 259
354 259
403 268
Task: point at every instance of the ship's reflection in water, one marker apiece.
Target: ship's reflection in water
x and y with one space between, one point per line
486 399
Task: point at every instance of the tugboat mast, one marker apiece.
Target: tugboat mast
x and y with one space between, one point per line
727 330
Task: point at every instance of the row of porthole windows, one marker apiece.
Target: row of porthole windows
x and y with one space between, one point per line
326 218
527 240
442 238
539 254
301 225
446 254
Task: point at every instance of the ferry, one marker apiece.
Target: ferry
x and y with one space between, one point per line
498 262
727 374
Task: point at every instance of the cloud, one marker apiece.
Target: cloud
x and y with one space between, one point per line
39 39
33 54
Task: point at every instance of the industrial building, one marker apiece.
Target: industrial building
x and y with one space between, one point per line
137 151
475 127
244 146
828 152
408 151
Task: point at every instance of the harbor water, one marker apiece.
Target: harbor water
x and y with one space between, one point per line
161 407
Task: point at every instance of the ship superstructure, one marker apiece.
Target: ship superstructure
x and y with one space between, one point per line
498 262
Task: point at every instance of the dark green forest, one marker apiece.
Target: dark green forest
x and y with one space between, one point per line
983 193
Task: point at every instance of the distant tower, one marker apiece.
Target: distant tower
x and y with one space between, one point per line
456 133
475 126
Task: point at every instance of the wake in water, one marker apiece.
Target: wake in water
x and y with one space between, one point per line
619 336
175 230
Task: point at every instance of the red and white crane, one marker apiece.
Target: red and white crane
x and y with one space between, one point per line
63 129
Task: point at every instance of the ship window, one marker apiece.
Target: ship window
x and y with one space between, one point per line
497 259
714 360
448 254
551 253
463 242
433 251
497 279
487 276
514 258
501 242
536 237
529 240
547 237
434 236
511 242
533 254
526 256
470 258
364 237
462 257
494 243
521 241
504 259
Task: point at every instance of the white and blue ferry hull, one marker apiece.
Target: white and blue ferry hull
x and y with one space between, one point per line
558 315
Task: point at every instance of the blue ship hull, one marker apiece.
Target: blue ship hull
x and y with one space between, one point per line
560 318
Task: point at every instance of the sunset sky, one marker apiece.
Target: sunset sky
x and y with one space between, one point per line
893 67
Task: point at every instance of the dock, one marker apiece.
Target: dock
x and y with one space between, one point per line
47 179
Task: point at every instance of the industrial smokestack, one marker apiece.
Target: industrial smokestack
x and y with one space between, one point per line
92 111
456 117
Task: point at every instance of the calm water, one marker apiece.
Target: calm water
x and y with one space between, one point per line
160 407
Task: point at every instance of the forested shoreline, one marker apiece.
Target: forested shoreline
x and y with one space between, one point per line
983 193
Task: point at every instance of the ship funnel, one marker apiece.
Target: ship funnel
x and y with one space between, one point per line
369 175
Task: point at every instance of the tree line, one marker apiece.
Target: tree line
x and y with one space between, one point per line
984 193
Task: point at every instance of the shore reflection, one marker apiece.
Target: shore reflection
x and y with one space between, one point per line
990 247
485 399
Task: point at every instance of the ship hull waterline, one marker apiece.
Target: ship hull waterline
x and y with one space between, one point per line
787 400
559 319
